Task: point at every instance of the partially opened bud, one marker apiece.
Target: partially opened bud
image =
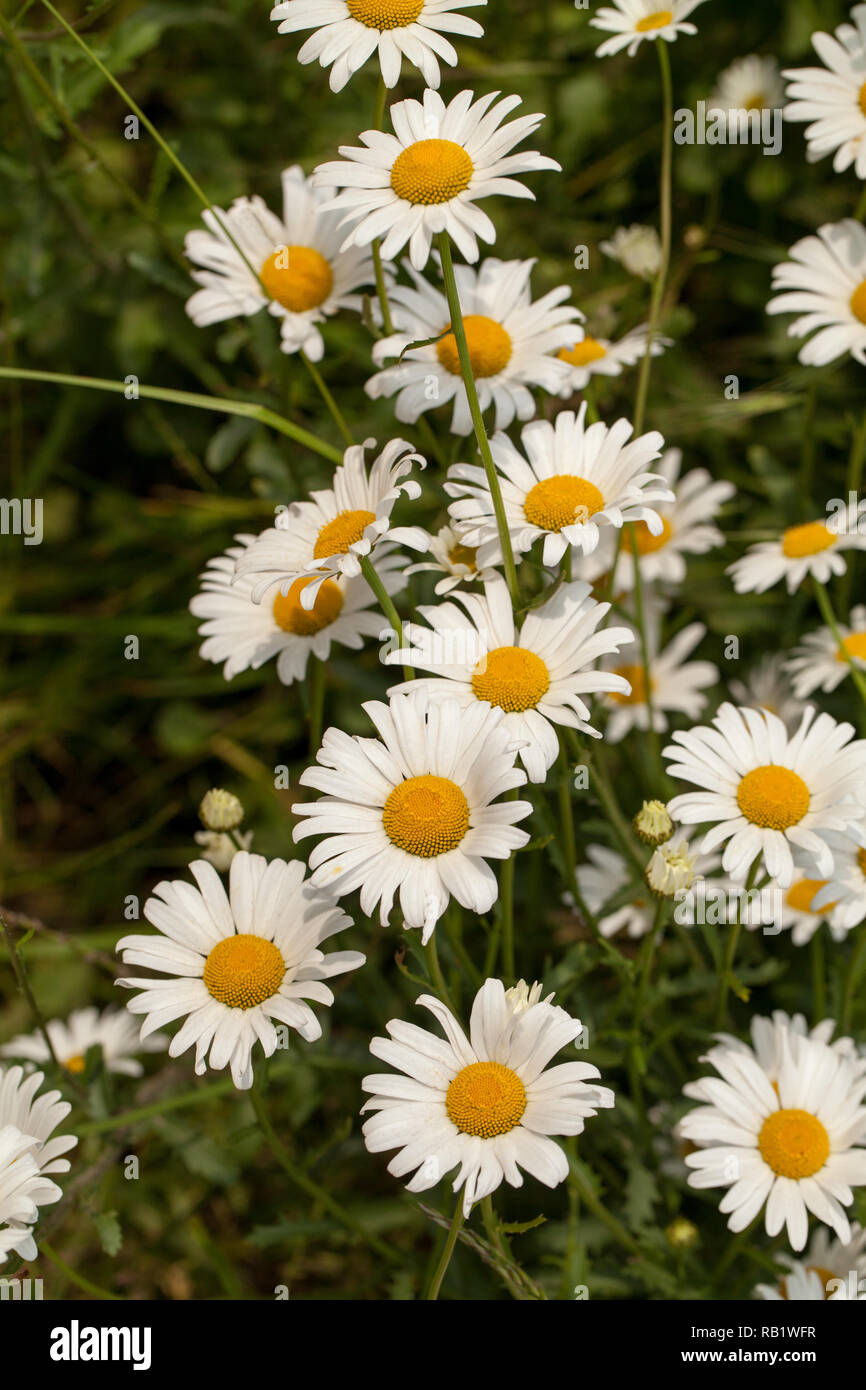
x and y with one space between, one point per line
220 810
653 823
671 869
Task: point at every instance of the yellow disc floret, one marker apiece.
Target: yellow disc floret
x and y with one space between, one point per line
658 20
431 171
291 617
426 816
854 646
645 543
583 353
75 1064
773 797
636 677
244 970
564 500
794 1143
298 277
464 555
858 302
800 896
810 539
488 343
486 1099
385 14
861 861
346 529
512 678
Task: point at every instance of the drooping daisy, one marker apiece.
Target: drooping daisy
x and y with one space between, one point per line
112 1030
637 248
788 1147
833 98
588 357
294 264
244 635
813 549
537 674
635 20
428 176
487 1103
825 282
817 1275
686 526
328 536
749 84
676 685
846 886
451 558
240 961
348 32
415 810
511 341
767 687
570 482
25 1114
765 792
820 663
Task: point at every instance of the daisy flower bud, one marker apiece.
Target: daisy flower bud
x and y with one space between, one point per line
671 869
681 1234
653 823
220 810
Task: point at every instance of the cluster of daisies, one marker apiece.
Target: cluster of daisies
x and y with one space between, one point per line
493 686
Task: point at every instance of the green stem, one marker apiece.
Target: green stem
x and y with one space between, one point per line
325 392
858 961
506 909
728 964
819 986
832 622
24 986
445 1259
665 189
640 617
431 955
459 331
381 285
77 1279
860 212
316 679
648 956
600 1211
856 459
384 600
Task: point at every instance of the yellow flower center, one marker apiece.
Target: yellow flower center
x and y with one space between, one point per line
291 617
755 103
298 277
464 555
773 797
858 302
512 678
861 861
636 676
794 1143
431 171
75 1064
825 1275
489 347
345 530
854 646
486 1099
244 970
582 353
645 543
561 501
811 539
385 14
657 20
801 895
426 816
861 99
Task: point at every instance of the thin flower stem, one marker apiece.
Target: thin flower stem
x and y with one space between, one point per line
860 212
734 931
506 909
430 442
250 410
640 617
832 622
431 955
381 285
592 414
494 1235
459 331
855 970
445 1259
77 1279
327 397
856 460
384 600
307 1184
599 1210
819 979
316 680
24 986
648 956
665 190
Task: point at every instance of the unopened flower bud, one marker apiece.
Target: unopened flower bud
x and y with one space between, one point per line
671 869
220 810
653 823
681 1234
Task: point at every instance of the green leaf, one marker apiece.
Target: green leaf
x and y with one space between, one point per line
108 1229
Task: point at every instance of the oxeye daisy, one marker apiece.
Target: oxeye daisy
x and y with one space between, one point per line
767 687
812 549
294 264
427 176
415 810
817 1276
569 484
243 635
637 248
788 1147
633 21
112 1030
676 685
820 663
536 674
588 357
825 282
833 98
485 1104
329 535
452 559
846 888
749 84
240 961
511 340
348 32
28 1154
766 792
800 914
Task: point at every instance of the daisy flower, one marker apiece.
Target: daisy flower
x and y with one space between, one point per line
686 526
767 687
244 635
766 792
813 1276
635 20
536 674
676 685
240 961
812 549
427 176
329 535
833 98
510 342
588 357
27 1122
819 663
293 264
485 1104
637 248
112 1030
569 484
799 913
786 1147
845 891
451 558
348 32
415 810
749 84
825 282
769 1034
